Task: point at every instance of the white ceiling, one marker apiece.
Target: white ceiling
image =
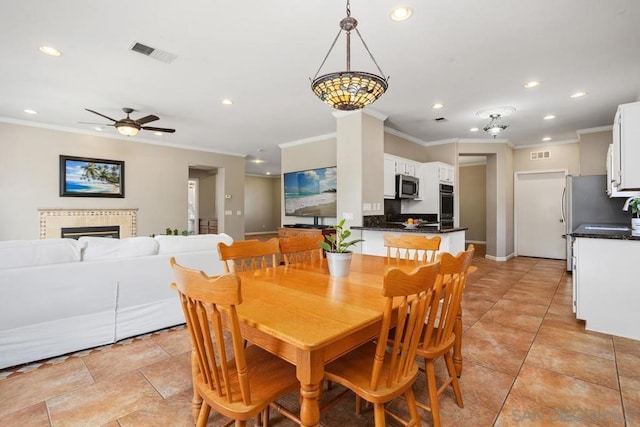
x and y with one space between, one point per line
467 54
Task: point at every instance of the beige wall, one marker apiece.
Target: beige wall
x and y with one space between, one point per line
472 190
260 196
206 191
401 147
561 156
499 183
155 180
310 155
593 152
446 153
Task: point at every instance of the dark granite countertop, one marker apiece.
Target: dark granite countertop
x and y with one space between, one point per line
425 229
605 231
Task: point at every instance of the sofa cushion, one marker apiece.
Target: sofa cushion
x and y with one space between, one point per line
107 248
27 253
200 242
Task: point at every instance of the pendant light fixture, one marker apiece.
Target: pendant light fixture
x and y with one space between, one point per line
349 90
494 128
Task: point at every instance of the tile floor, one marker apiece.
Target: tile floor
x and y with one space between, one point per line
527 362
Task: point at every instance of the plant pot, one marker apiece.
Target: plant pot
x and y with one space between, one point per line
635 226
339 263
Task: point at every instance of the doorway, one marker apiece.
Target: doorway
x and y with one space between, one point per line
192 206
538 214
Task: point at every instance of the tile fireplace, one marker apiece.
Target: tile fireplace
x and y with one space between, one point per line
52 221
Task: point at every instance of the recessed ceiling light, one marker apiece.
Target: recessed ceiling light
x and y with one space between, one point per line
579 94
474 130
158 133
50 50
401 13
437 106
98 128
226 101
549 117
258 161
546 138
30 111
268 173
532 84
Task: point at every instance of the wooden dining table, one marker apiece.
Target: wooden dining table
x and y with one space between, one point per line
309 318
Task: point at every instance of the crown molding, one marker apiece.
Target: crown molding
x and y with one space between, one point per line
308 140
594 130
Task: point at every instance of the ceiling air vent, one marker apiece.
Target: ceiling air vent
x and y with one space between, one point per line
539 155
440 119
154 53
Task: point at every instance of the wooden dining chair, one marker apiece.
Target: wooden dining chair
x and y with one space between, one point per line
300 249
235 381
377 372
438 336
243 255
457 346
412 247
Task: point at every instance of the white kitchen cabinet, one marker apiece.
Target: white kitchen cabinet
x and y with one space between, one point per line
405 167
606 290
389 178
442 173
625 175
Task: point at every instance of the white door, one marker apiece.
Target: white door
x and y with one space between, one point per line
538 214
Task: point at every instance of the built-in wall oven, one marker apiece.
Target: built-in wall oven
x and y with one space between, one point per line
446 206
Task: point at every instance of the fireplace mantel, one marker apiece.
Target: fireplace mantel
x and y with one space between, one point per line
52 220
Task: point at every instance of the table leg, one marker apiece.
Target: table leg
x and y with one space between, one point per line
457 345
310 371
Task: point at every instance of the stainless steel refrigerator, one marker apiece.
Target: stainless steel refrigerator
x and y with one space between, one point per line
585 201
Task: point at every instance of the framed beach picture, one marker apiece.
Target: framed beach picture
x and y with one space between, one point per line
85 177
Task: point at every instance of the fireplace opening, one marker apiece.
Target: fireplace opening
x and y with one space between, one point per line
111 231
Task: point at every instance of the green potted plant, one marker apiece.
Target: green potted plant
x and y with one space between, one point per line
634 204
337 248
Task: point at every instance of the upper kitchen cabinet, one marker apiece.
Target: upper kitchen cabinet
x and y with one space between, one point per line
397 166
625 151
389 178
438 171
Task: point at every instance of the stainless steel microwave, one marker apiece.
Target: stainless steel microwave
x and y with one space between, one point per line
406 187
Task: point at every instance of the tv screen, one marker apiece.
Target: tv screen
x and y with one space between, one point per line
311 193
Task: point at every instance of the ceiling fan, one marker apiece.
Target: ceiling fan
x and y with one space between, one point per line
129 126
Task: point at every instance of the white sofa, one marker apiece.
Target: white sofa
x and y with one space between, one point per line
61 295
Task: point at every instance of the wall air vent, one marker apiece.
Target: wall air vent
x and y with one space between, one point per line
539 155
154 53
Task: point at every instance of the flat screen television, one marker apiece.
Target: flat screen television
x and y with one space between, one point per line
311 193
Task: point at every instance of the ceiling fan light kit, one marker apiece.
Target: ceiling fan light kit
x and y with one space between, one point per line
349 90
494 128
131 127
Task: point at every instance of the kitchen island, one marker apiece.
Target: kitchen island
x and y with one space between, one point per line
606 284
452 239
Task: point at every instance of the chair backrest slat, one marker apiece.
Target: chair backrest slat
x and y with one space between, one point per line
415 291
449 287
300 249
412 247
244 255
206 301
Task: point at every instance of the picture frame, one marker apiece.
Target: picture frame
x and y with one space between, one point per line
88 177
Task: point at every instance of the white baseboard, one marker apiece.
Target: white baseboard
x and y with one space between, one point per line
255 233
500 258
477 242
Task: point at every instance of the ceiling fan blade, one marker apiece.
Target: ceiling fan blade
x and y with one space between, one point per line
147 119
164 130
99 124
100 114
